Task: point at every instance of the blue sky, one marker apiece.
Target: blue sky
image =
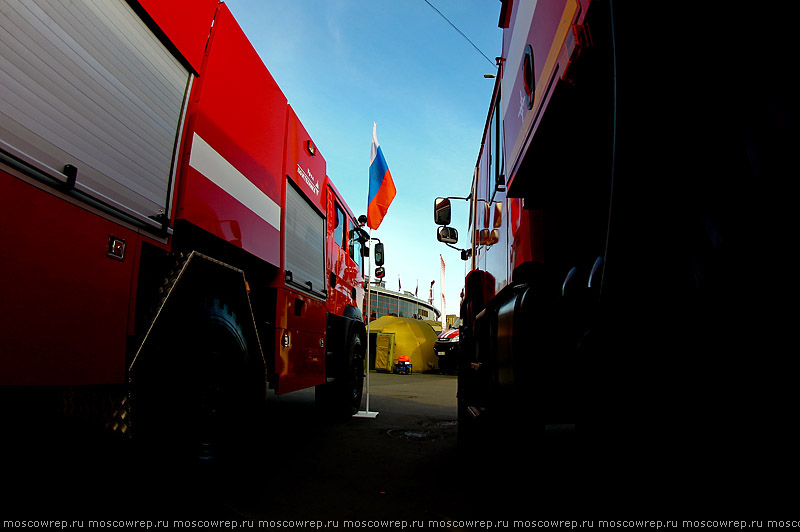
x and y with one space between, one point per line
344 64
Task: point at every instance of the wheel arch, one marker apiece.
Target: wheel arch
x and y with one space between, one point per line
198 276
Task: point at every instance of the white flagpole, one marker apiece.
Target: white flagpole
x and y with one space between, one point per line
366 413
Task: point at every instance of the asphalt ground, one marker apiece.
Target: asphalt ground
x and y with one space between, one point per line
403 464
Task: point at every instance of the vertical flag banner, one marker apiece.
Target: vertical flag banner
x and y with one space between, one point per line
431 299
444 311
381 186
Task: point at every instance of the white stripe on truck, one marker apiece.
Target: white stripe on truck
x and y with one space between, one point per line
219 171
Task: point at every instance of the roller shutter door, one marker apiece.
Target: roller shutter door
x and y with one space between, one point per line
86 83
305 243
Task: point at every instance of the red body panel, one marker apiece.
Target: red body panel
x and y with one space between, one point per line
185 23
302 363
303 163
65 302
210 207
240 113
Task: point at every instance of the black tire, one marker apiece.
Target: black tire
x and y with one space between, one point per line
342 397
353 381
196 393
219 365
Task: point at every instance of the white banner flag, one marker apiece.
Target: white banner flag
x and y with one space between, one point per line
444 308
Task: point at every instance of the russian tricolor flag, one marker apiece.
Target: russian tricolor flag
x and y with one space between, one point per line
381 186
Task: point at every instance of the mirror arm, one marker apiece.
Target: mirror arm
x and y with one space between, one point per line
453 197
363 236
465 253
452 246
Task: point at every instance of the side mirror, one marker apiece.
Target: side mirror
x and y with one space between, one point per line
441 211
448 235
378 254
380 273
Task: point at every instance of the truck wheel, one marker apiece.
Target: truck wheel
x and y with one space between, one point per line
218 361
342 397
195 390
354 378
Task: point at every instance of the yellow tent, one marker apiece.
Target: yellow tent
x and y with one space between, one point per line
404 336
435 325
384 350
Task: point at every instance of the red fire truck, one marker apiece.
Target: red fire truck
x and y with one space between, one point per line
613 213
171 242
